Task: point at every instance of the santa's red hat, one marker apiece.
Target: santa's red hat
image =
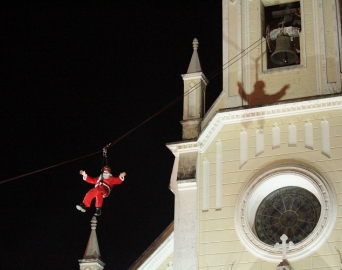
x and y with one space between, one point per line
106 169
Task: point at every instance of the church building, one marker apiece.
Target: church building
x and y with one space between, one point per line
257 177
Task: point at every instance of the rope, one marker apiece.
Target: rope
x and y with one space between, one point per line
212 75
47 168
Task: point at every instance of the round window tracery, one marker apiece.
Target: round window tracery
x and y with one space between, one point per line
293 211
267 186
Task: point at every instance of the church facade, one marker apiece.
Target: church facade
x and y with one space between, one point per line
257 178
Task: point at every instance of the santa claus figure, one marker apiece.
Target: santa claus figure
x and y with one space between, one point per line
103 185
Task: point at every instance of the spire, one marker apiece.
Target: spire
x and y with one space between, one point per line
92 250
92 254
195 65
195 84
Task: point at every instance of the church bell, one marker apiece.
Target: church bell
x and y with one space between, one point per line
283 54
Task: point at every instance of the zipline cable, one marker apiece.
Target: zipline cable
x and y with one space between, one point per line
47 168
212 75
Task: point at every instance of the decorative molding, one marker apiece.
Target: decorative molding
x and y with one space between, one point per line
187 184
339 30
275 136
196 75
318 35
246 61
243 147
308 134
325 137
284 247
263 113
218 175
182 147
292 131
266 182
205 185
184 182
259 141
94 264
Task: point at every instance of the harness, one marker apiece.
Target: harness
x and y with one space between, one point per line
101 183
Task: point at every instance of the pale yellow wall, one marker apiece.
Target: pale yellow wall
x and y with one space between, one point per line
218 104
164 266
318 72
219 245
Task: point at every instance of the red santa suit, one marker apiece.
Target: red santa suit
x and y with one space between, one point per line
101 189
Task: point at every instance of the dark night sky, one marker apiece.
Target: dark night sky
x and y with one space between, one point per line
75 77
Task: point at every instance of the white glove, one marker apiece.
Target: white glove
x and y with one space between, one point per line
122 176
83 173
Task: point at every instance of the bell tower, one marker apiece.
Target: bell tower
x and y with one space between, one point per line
281 51
195 84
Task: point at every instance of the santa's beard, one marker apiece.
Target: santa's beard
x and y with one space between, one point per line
106 175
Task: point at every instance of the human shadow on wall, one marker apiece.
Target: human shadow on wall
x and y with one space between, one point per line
258 97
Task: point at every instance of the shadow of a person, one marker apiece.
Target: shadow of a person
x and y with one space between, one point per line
258 96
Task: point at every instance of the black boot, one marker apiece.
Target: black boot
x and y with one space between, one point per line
98 211
81 207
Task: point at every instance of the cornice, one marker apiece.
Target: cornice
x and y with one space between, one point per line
183 147
196 75
223 117
87 261
188 184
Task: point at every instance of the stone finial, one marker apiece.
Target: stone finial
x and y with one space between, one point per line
195 43
93 223
195 65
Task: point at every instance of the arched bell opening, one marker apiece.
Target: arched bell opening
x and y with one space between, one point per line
282 33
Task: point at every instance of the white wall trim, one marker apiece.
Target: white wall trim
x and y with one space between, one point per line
205 203
218 175
160 255
262 113
182 147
